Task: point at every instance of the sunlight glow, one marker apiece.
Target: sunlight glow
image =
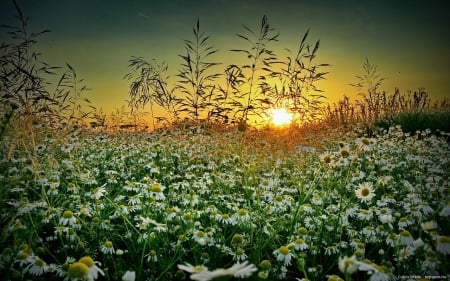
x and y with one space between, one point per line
280 116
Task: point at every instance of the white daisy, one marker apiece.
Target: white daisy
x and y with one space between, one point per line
365 192
443 245
348 265
129 276
283 254
94 270
37 266
107 248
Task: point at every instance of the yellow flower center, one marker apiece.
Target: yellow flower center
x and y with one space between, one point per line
444 239
87 261
299 241
242 212
156 187
39 262
78 270
237 239
265 264
67 214
23 255
405 233
278 198
345 153
108 244
365 192
284 250
239 251
302 230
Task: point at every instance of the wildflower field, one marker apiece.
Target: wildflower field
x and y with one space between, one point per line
202 194
170 205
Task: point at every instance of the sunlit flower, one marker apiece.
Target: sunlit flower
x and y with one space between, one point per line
299 244
241 216
404 222
98 192
365 144
135 199
369 233
327 158
107 247
78 271
152 256
93 269
344 150
365 192
239 255
37 266
283 254
156 191
348 265
364 214
68 218
405 238
225 218
405 253
201 237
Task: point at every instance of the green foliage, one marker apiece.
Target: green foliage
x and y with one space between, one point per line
417 121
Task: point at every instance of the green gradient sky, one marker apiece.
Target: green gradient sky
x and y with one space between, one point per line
407 40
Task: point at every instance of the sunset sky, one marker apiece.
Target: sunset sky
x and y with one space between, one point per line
407 40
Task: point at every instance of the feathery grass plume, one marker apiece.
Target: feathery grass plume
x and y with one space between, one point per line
252 99
69 94
370 82
150 86
297 82
22 72
197 83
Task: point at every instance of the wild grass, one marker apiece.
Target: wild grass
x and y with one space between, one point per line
361 193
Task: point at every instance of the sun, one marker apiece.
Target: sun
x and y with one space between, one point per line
280 116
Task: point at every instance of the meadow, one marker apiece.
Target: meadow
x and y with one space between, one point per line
171 203
352 191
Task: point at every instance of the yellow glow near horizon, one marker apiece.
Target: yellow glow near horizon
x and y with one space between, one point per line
280 116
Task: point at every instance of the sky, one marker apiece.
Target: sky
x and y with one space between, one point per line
408 41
